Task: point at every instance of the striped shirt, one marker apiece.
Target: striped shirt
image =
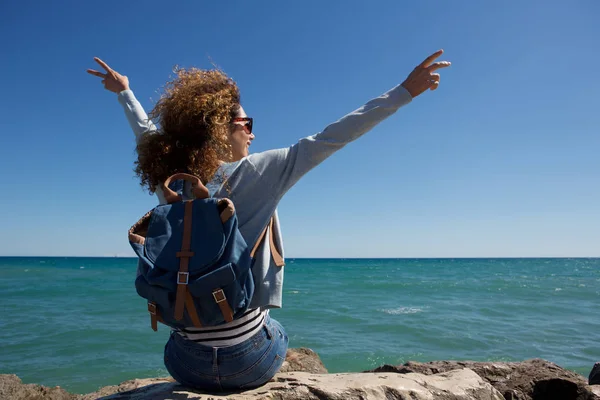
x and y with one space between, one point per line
229 334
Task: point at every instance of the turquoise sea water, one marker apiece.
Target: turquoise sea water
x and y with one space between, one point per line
78 323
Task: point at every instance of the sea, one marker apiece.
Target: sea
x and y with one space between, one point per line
79 324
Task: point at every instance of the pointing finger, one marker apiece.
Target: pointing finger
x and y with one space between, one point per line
438 65
96 73
102 64
431 58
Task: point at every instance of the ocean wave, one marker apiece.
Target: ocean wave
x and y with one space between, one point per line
401 310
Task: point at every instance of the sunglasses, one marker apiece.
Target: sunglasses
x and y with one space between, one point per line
248 123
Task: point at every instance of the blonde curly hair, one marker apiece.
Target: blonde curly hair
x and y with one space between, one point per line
194 115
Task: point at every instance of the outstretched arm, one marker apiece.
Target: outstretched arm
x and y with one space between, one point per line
137 117
280 169
119 84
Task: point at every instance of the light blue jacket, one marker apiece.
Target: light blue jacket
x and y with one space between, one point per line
257 183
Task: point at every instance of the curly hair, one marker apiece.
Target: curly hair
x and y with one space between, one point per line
194 115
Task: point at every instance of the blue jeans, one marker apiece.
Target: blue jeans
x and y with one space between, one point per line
246 365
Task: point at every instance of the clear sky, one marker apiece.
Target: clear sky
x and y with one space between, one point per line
502 160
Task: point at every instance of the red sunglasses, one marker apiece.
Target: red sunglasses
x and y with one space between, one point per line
248 122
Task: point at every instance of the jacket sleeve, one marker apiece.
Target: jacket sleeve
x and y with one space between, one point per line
280 169
140 124
136 116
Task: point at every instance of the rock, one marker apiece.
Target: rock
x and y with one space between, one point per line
125 387
12 388
461 384
303 376
303 359
594 378
528 380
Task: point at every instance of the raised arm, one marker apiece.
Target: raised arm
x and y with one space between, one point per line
136 116
115 82
280 169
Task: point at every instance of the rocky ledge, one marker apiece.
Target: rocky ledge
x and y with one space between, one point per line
303 376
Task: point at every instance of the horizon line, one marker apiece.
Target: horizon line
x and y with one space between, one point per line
333 258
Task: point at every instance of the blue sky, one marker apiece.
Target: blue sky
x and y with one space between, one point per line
502 160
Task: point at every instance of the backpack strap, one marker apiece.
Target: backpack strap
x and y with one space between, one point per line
274 252
153 310
189 304
277 257
154 315
183 275
221 301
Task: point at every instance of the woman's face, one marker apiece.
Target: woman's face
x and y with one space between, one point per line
240 135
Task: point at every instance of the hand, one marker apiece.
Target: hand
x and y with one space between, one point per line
422 77
112 80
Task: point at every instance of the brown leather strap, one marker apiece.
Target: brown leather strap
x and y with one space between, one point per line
191 308
184 259
260 239
221 300
153 310
274 252
198 189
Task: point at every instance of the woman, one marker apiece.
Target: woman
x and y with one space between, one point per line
204 131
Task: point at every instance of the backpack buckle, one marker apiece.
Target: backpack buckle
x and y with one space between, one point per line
152 308
219 295
183 278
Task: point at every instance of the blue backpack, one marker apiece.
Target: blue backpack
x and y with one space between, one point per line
194 266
